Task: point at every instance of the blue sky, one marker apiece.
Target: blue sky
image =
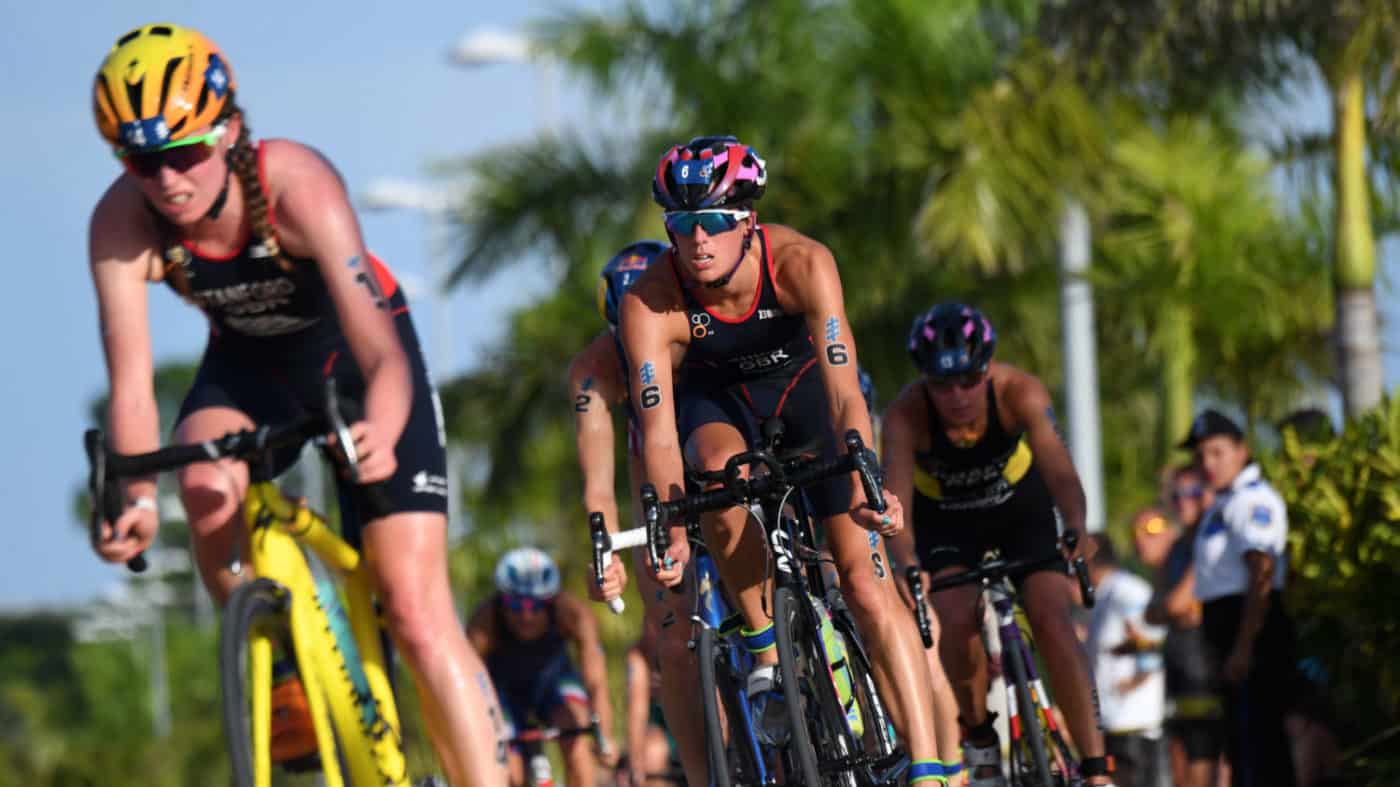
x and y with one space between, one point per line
368 85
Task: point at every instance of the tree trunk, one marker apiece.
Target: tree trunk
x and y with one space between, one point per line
1354 269
1178 348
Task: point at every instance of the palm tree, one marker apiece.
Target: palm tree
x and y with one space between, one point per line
1172 44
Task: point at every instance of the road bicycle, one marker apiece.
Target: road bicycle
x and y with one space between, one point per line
840 733
1039 755
316 609
530 741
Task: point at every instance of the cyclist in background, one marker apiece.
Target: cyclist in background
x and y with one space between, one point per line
973 443
523 631
262 239
760 315
650 746
598 385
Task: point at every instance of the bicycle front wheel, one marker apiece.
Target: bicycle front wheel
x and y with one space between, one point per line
1038 772
708 654
792 633
254 618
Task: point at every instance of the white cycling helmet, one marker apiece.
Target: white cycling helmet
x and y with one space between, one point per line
527 571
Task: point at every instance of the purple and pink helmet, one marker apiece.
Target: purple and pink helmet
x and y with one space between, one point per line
951 339
708 173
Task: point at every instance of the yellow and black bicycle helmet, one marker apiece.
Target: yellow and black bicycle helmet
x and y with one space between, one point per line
160 83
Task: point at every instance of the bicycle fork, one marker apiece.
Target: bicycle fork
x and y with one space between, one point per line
1013 646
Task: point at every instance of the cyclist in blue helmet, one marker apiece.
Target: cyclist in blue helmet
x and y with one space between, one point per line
759 313
972 442
524 631
597 386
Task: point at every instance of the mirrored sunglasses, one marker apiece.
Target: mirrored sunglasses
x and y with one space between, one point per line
516 603
182 155
714 222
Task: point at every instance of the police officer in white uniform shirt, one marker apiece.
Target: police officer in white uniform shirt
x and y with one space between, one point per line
1240 561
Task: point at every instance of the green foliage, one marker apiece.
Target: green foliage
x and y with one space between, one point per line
1344 536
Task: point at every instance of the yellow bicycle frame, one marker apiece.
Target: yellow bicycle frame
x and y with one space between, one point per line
367 728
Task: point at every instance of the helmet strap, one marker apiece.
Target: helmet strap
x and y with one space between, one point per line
219 201
733 269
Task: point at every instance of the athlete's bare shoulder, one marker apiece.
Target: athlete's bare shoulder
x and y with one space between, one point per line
285 166
1023 396
598 367
800 263
657 289
123 230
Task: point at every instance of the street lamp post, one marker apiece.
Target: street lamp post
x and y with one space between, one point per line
489 46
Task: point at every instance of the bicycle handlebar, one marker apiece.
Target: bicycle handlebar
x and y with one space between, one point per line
782 477
997 569
604 544
106 468
915 578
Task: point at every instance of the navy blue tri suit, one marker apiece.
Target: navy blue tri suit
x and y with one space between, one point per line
744 370
535 677
987 495
274 338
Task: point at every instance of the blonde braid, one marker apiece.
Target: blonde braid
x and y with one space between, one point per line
243 160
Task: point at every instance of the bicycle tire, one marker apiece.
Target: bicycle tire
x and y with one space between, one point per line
879 726
715 747
789 631
253 601
1030 720
832 735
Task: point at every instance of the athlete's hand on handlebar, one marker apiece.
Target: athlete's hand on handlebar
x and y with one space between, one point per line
677 556
129 536
887 524
614 582
374 452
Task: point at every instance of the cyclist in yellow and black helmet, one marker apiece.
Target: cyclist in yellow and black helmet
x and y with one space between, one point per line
262 239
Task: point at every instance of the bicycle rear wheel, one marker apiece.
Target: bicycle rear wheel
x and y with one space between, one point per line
1030 731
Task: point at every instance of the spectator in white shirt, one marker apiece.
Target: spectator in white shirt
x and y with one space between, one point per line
1240 563
1127 670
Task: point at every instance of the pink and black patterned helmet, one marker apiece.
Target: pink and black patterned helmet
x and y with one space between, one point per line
707 173
951 339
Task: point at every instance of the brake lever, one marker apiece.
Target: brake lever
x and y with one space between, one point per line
105 499
868 470
602 555
916 588
341 428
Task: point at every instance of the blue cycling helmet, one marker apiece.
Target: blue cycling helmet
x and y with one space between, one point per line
621 272
527 571
951 339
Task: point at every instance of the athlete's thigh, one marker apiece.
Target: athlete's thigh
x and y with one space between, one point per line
212 484
407 558
713 426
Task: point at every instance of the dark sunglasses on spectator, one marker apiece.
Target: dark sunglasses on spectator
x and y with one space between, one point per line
182 155
966 381
1193 492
